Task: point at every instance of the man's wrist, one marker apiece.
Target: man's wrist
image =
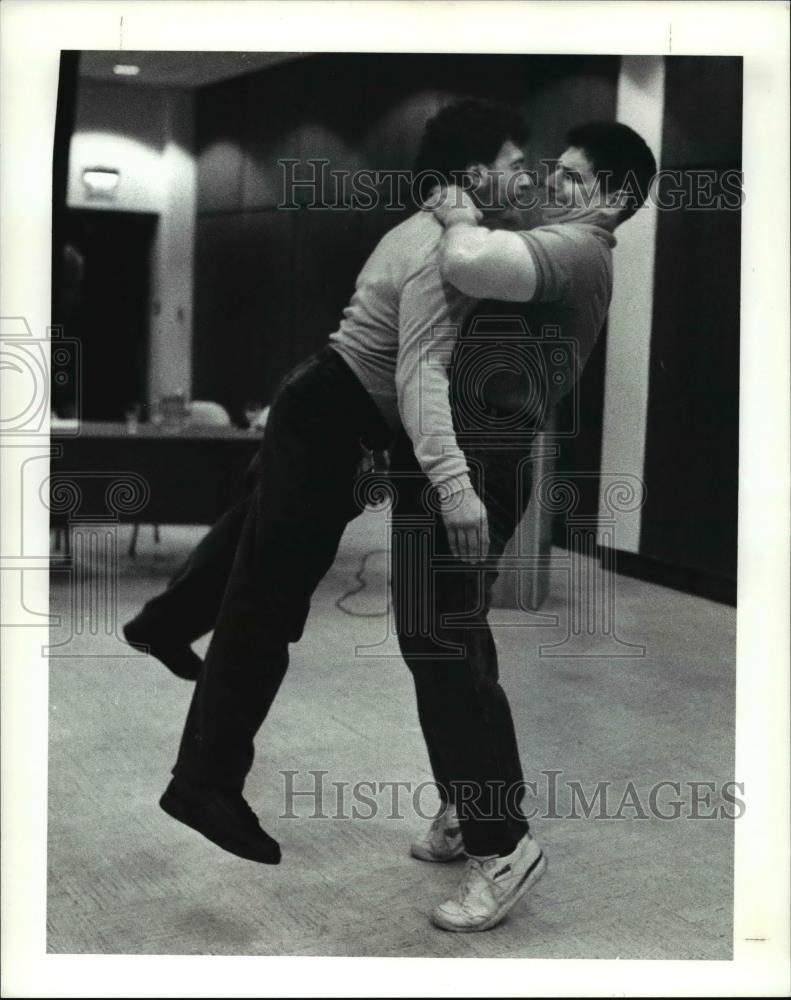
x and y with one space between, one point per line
449 490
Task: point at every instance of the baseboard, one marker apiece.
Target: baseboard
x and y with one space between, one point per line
690 581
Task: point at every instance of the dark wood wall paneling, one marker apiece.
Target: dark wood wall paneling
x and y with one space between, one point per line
691 466
271 284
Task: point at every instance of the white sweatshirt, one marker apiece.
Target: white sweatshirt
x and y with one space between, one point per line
398 334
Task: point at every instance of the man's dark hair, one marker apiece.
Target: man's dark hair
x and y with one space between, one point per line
466 131
620 157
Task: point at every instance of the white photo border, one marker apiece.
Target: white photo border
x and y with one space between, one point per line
32 34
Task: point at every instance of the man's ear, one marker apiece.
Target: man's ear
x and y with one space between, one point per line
478 174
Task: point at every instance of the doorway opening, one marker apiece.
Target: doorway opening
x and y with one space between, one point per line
104 302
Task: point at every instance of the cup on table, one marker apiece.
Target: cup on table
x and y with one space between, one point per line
132 416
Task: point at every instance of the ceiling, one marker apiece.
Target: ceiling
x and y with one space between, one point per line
177 69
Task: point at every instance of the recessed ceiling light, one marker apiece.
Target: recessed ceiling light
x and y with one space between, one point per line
125 69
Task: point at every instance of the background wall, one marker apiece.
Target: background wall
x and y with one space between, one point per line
173 253
146 133
270 284
120 127
641 94
672 386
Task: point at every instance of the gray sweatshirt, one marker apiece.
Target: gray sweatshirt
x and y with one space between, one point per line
397 335
399 331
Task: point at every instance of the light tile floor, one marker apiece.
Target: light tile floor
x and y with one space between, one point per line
124 878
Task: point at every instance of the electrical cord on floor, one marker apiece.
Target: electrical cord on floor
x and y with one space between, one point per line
362 584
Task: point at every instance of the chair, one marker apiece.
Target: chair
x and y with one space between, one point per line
200 413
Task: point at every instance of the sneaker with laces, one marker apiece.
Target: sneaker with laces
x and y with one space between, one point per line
490 888
442 841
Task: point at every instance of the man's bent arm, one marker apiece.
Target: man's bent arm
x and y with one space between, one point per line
485 263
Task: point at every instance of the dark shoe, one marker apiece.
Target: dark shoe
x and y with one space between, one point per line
181 661
223 817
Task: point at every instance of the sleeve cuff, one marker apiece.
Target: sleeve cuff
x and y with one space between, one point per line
538 294
449 488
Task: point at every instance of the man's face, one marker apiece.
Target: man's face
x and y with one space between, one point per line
573 183
502 182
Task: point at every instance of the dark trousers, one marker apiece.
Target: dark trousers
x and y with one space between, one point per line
189 607
302 501
441 607
252 576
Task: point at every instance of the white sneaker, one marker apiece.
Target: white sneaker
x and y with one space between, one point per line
442 841
490 888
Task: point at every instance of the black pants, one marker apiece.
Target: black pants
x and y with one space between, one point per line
189 607
302 502
441 607
274 547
